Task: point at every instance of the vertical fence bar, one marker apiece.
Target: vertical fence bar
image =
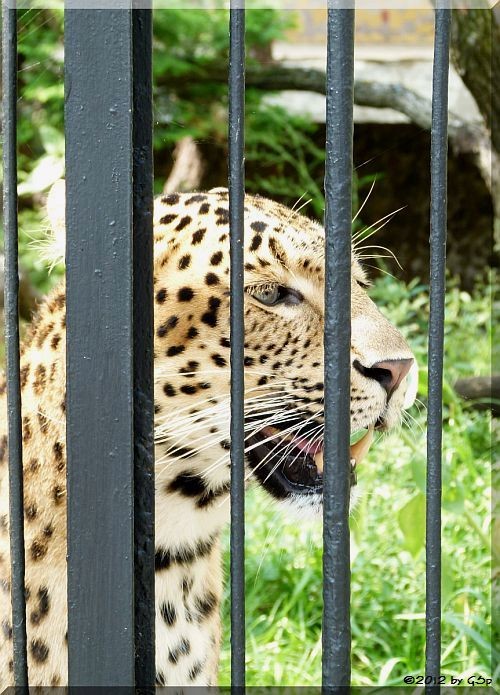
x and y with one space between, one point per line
99 252
11 294
143 348
439 153
236 226
337 347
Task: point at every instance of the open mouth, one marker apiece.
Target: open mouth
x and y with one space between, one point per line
287 463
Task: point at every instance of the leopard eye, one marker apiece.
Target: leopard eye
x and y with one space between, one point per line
364 285
272 295
267 295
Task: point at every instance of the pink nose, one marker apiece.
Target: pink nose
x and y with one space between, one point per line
388 373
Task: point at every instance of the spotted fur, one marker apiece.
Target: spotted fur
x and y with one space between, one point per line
283 373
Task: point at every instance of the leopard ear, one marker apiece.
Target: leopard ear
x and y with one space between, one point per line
54 248
56 210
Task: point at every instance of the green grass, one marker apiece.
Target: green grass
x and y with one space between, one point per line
284 556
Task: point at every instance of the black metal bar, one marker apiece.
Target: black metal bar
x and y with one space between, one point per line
100 415
143 349
236 217
439 153
338 216
11 294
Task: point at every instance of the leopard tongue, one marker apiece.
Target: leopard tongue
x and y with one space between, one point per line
358 450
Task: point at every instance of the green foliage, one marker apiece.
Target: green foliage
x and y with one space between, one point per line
411 519
41 92
201 39
182 39
47 168
283 159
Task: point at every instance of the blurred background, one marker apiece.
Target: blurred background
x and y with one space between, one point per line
285 134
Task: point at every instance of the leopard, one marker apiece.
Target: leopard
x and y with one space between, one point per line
284 309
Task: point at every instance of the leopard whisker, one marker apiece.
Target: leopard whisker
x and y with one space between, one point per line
51 418
390 254
193 443
361 236
279 416
411 421
298 201
253 404
209 399
218 420
364 201
420 405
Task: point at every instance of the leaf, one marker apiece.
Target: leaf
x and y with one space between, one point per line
52 141
481 643
418 467
453 499
446 578
411 519
356 436
387 669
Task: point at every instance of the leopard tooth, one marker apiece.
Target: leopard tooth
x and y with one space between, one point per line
318 460
360 449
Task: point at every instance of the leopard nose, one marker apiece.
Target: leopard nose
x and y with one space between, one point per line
388 373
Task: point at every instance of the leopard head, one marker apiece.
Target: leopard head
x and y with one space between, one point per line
284 321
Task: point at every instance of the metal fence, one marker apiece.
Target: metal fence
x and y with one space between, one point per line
109 101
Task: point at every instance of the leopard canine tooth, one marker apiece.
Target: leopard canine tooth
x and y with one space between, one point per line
358 450
318 460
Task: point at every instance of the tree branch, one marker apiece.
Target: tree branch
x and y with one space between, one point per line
484 390
279 78
464 137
